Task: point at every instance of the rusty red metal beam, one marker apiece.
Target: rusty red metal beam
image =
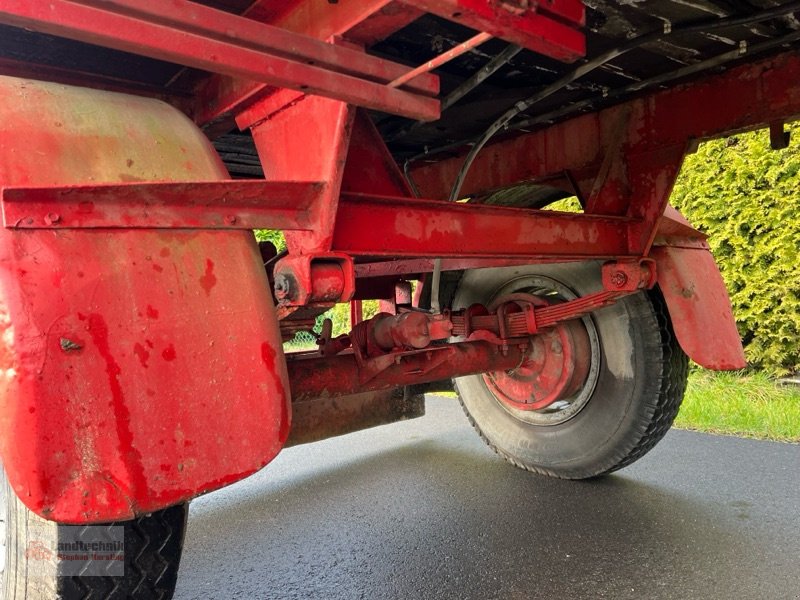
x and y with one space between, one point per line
419 266
309 142
381 23
674 230
441 59
366 22
381 226
317 419
206 21
317 377
193 35
362 22
628 156
366 225
551 28
208 205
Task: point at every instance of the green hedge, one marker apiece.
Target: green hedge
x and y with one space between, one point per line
747 198
272 235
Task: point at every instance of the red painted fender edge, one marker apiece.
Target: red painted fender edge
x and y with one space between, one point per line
138 367
699 307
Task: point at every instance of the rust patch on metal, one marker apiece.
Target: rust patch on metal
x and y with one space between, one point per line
69 346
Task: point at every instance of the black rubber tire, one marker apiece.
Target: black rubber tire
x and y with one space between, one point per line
153 546
640 382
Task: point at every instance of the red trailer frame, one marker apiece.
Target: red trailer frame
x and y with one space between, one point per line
354 228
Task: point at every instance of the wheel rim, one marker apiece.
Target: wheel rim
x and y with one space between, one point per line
560 372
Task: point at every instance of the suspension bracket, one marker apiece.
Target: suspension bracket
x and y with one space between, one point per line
554 364
307 279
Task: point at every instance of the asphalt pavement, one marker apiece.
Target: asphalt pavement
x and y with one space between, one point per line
424 510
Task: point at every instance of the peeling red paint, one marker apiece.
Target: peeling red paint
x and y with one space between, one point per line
169 353
209 280
98 329
269 358
140 352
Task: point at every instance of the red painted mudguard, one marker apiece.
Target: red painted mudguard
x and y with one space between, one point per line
138 368
696 297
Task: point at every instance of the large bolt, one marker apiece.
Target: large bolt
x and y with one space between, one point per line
283 287
619 279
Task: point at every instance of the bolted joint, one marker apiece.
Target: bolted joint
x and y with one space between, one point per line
629 276
314 279
284 287
619 279
408 330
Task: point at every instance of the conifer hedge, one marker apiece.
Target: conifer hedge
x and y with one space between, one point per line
746 196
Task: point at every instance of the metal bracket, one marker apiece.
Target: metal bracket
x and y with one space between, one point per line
552 28
779 138
306 279
629 276
255 204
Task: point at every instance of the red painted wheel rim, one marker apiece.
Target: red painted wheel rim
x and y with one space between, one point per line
555 368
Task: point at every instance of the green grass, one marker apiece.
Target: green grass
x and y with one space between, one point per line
753 406
745 405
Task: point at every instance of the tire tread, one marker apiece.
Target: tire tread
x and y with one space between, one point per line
153 547
666 392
